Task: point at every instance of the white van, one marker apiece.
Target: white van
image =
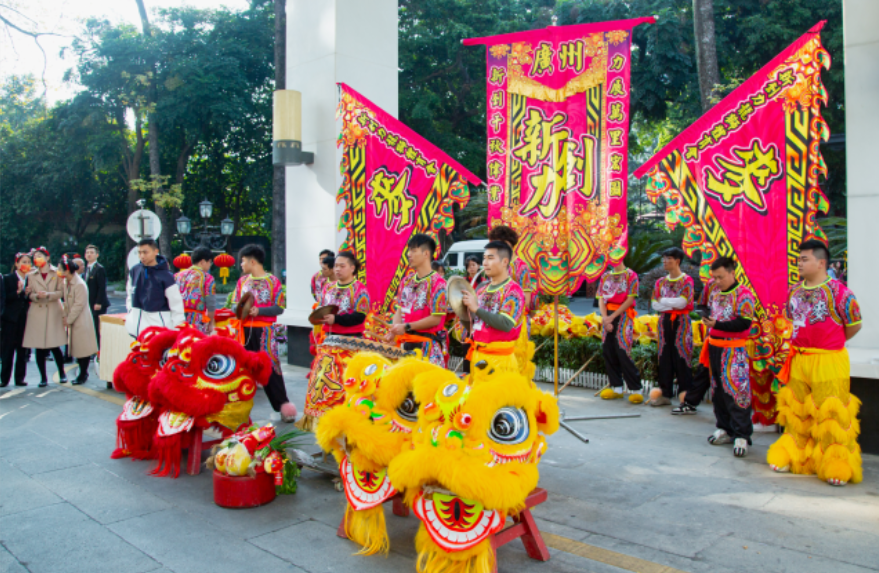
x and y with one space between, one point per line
458 253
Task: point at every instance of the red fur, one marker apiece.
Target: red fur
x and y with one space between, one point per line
135 437
169 450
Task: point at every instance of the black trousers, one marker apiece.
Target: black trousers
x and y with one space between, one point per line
701 384
42 354
671 363
12 352
731 417
618 363
96 317
275 389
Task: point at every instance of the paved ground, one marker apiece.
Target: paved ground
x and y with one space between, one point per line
647 494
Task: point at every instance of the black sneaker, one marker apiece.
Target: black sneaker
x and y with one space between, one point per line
683 410
43 384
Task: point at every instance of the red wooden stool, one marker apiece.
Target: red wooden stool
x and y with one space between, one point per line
196 447
399 509
524 527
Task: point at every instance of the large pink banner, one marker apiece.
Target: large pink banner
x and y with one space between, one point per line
743 180
396 184
558 129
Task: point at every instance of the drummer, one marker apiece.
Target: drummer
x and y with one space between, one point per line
422 305
498 311
349 294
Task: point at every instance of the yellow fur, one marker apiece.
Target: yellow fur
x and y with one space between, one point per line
367 527
432 558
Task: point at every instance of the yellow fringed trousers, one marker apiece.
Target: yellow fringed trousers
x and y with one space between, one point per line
819 415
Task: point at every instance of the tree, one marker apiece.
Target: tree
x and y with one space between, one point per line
706 51
279 189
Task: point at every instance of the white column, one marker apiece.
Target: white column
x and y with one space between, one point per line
861 40
329 41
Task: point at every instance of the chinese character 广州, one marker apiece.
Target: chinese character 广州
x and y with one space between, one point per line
542 60
571 55
744 178
539 136
391 197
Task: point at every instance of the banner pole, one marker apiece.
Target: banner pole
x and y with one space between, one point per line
555 305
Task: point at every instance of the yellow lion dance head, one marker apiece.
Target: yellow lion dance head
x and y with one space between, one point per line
365 433
472 462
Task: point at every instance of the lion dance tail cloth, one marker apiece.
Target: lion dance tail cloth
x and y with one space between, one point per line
208 381
816 407
137 423
472 463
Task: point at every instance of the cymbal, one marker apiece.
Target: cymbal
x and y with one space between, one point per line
456 287
317 316
245 303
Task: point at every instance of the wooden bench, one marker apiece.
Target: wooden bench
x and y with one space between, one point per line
196 447
524 527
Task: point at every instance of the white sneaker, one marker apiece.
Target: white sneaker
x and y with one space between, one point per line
719 438
740 448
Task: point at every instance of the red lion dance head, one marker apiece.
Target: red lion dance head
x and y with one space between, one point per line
136 424
207 381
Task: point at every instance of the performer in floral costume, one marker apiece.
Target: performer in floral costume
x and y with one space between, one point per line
325 389
422 305
197 289
702 376
260 331
617 292
673 299
725 353
816 407
324 275
498 312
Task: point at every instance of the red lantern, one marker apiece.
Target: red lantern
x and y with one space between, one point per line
224 261
183 261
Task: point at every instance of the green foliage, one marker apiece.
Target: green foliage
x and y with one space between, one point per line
574 352
645 251
836 229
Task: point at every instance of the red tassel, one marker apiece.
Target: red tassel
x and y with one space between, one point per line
135 437
168 451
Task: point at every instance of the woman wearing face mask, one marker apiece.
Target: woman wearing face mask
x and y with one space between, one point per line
13 320
45 319
81 340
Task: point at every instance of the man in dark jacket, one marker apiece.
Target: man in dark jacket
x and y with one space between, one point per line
153 298
96 279
12 322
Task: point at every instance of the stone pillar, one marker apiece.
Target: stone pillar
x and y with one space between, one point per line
328 41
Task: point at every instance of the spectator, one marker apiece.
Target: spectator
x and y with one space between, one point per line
44 330
81 340
96 281
13 320
197 289
438 268
474 271
153 298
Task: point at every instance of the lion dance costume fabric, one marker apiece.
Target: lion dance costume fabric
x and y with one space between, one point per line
368 431
208 381
472 463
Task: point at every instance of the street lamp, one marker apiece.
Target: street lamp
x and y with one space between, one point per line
206 238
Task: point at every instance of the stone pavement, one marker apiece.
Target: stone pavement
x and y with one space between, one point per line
647 494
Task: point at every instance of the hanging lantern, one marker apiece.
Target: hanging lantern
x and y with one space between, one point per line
224 261
182 261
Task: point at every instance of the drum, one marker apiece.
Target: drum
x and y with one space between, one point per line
325 389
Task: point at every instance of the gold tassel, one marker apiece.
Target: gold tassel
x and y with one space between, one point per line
367 528
432 558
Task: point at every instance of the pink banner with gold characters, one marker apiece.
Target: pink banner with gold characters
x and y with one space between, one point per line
558 130
395 184
743 180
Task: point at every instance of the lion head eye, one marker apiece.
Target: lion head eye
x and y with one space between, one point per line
408 410
509 426
219 366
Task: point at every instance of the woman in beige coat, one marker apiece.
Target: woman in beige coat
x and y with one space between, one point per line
45 330
81 340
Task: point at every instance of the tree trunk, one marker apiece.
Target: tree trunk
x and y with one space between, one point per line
706 51
279 188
